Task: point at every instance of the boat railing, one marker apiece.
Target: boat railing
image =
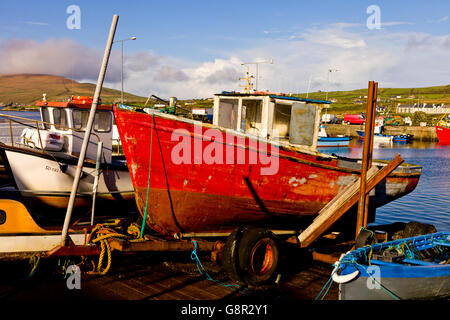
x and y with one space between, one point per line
36 125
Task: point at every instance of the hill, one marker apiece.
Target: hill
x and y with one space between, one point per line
26 89
354 101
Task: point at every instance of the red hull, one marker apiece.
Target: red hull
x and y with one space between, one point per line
443 134
200 197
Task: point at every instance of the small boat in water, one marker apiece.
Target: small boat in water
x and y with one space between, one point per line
328 141
43 164
410 268
256 165
402 138
443 130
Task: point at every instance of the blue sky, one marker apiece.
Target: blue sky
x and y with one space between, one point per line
195 48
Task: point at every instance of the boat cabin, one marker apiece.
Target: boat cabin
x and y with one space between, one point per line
272 116
67 121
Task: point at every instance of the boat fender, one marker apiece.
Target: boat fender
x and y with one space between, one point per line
345 278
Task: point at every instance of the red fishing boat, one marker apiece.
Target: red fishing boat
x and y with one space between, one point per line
257 164
443 134
443 129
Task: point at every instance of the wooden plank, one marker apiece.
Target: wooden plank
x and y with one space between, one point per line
363 204
343 202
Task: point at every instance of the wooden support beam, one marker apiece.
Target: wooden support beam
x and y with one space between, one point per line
160 245
363 205
344 201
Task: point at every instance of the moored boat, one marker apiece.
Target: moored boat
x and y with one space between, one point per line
257 164
331 141
443 129
410 268
43 164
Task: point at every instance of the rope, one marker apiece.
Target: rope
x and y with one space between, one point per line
202 270
102 236
328 283
149 174
350 259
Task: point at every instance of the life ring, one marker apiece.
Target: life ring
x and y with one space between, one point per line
345 278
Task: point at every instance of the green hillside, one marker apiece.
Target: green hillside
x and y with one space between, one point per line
26 89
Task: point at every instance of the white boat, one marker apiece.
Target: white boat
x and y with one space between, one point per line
43 164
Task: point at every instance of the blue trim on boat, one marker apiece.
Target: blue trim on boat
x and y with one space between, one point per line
357 259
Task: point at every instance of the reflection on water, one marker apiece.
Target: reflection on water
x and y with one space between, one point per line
430 201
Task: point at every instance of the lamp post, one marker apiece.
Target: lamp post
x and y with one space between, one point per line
122 41
257 64
328 78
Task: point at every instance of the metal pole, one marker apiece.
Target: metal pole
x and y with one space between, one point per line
121 77
97 174
87 133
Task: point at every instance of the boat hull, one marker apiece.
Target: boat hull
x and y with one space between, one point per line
417 279
377 138
333 141
45 182
443 134
200 196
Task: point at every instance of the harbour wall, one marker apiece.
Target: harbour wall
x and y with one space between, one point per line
426 134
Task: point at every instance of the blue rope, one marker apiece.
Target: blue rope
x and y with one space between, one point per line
149 175
202 270
329 283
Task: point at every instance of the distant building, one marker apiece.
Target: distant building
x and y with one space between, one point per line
427 108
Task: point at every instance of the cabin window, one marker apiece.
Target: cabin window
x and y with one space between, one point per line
281 120
60 119
251 116
45 117
102 121
228 112
80 119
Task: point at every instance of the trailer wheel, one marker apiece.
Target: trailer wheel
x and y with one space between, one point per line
258 256
250 255
230 255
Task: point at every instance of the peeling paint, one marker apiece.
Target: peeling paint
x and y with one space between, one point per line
313 176
185 182
295 181
344 181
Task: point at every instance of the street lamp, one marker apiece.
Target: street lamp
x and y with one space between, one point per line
328 78
257 64
122 41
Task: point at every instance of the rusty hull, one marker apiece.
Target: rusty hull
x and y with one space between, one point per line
200 197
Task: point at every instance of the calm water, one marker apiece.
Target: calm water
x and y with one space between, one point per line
430 201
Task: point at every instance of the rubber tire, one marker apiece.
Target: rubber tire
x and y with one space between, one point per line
230 255
252 239
365 238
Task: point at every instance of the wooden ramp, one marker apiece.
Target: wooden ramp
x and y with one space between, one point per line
344 201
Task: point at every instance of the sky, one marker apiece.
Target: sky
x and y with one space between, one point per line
196 48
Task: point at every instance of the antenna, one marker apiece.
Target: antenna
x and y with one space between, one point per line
249 85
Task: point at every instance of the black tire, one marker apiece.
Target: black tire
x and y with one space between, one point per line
365 237
257 256
230 255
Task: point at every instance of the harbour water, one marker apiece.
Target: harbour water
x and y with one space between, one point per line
430 201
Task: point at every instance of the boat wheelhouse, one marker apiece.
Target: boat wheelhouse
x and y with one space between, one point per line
42 166
272 116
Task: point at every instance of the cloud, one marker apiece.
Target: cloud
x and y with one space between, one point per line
440 20
395 23
37 23
63 57
166 73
